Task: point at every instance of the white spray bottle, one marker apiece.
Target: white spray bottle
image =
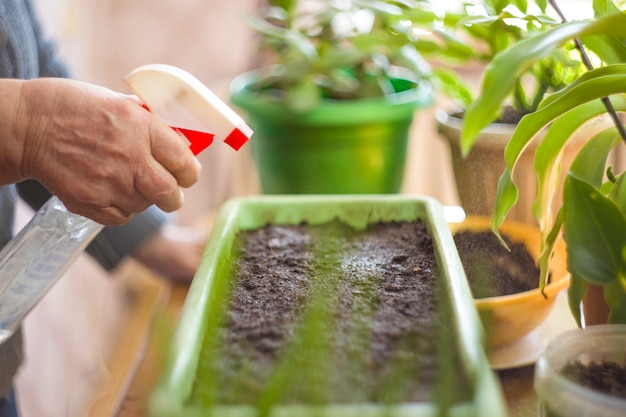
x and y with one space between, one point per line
42 251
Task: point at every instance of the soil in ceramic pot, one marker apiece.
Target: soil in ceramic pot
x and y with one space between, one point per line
491 269
605 376
326 314
508 116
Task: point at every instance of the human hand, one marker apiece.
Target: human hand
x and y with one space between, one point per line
100 152
174 252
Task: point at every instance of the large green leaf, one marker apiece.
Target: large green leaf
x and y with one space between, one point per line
615 296
595 229
587 90
501 74
609 49
549 153
548 242
550 150
575 293
604 7
588 165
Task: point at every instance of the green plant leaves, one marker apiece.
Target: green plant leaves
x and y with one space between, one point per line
604 7
595 230
303 95
594 85
288 38
550 150
564 114
501 74
447 82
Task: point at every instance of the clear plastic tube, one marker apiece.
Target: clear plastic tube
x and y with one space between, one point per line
37 257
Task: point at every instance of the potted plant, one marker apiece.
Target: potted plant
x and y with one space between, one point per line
492 27
592 217
505 281
333 101
315 305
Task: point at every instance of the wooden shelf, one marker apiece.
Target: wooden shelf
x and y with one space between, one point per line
132 363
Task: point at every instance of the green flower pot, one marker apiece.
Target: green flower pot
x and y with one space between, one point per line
341 147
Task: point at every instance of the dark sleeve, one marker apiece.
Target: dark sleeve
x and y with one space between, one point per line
50 64
113 243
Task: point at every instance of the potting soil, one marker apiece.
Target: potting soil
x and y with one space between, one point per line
326 314
603 376
493 270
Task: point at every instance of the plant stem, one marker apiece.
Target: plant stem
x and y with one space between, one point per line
587 62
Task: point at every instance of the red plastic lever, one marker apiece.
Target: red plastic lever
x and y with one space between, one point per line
199 140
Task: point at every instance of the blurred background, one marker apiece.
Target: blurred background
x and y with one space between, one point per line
103 40
70 335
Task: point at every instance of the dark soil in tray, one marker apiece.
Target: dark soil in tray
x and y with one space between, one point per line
606 377
369 304
491 269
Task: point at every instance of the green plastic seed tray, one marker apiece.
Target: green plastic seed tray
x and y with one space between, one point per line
311 373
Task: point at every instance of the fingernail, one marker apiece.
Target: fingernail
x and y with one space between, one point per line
182 196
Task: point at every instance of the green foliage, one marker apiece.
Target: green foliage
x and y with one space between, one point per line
593 213
501 74
500 25
349 49
339 49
